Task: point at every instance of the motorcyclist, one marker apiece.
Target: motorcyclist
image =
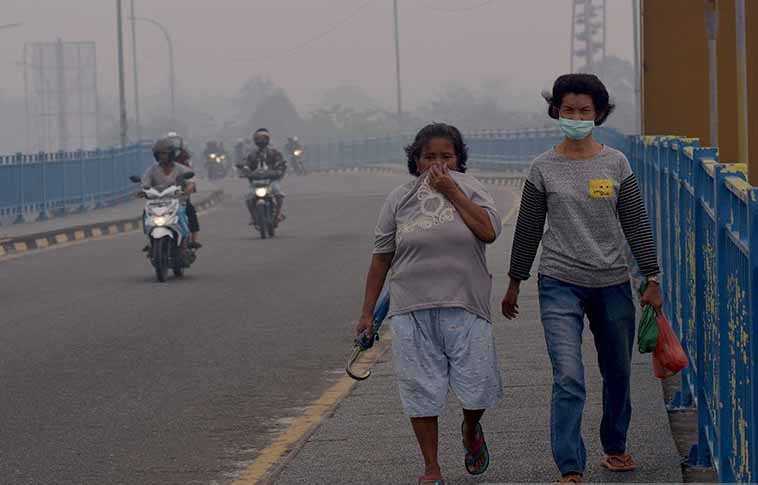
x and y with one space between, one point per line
293 145
215 149
181 158
265 157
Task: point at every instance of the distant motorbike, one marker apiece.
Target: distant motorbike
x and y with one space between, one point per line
297 161
165 224
261 198
216 165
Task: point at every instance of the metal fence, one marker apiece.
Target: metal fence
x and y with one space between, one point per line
705 219
42 185
499 150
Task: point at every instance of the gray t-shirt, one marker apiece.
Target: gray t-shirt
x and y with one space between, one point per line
155 177
584 244
438 261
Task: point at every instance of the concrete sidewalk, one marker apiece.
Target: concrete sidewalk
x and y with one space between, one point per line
368 440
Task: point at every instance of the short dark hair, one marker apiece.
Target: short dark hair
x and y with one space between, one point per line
588 84
436 130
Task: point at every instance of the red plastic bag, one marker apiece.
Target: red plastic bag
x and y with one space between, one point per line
668 356
658 369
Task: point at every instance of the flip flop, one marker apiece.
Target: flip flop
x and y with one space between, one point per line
431 481
475 455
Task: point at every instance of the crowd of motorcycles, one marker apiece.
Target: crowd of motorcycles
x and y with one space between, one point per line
164 217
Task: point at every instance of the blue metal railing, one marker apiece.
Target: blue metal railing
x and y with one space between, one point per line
705 219
502 150
41 185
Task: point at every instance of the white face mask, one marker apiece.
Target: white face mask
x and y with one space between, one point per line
576 129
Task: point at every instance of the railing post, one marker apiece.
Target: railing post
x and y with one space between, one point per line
721 198
752 232
43 215
22 196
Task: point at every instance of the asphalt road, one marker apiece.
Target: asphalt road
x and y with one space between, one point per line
109 377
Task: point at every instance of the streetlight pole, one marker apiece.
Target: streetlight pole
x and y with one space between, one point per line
172 78
121 93
397 71
136 75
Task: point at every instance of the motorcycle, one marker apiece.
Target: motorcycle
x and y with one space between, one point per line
166 228
261 199
297 161
216 165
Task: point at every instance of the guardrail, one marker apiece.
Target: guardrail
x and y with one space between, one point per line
705 219
38 186
505 150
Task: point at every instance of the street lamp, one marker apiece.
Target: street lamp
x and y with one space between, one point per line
10 26
172 78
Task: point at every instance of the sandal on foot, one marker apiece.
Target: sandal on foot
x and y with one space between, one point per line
478 453
619 463
571 478
430 481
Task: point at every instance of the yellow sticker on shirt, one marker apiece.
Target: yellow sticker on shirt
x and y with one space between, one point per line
601 188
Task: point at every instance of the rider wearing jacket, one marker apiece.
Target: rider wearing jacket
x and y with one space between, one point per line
265 157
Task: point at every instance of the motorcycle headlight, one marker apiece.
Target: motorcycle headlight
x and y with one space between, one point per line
160 220
298 153
212 156
261 191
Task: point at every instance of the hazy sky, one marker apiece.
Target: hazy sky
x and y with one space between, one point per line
221 43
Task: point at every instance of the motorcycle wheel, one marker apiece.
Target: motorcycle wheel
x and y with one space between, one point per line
160 258
262 220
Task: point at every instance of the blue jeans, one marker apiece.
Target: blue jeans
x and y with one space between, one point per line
611 314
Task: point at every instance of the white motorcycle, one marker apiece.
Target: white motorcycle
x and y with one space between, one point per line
165 225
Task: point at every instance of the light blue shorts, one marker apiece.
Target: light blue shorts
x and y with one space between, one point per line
442 348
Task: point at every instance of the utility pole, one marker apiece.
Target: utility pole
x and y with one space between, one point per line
60 78
121 93
397 72
138 124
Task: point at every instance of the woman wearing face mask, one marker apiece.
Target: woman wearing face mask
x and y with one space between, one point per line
593 205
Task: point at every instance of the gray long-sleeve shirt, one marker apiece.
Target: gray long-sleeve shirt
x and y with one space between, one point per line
593 208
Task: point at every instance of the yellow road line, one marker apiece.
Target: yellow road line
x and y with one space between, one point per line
308 421
515 204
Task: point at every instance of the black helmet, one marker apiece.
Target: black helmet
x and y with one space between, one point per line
261 137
